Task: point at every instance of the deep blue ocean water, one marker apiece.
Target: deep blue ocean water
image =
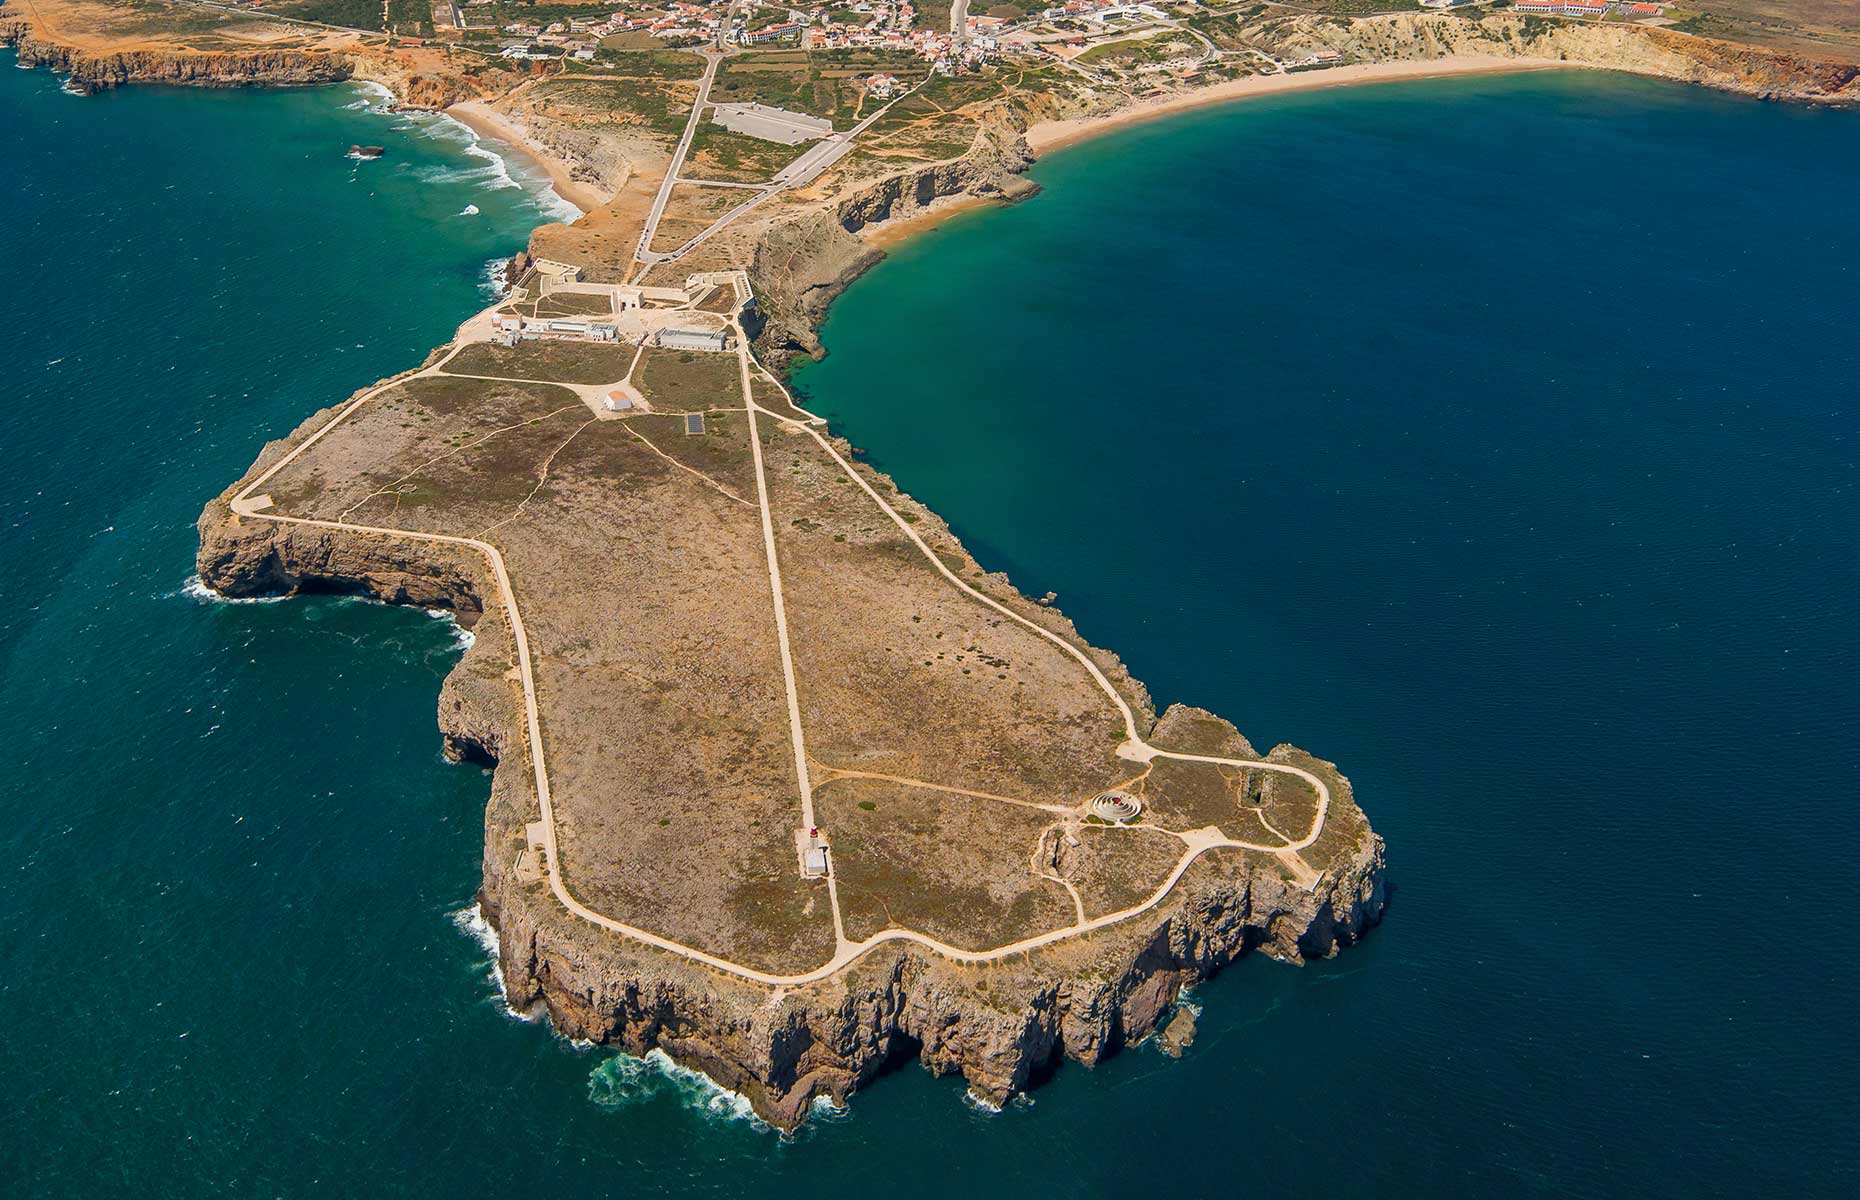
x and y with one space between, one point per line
1495 438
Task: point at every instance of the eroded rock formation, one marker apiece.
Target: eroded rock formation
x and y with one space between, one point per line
1002 1025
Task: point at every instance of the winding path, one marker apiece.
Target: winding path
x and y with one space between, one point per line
251 504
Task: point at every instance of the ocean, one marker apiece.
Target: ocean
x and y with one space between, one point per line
1493 437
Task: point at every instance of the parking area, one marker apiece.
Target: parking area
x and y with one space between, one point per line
771 124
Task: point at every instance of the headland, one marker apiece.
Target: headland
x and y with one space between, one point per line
788 786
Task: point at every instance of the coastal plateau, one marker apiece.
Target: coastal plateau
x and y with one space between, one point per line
705 633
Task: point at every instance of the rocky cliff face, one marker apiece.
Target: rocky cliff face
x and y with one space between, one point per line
426 83
1001 1026
413 81
1728 66
96 72
606 158
801 265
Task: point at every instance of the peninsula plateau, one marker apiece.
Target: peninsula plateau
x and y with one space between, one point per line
787 784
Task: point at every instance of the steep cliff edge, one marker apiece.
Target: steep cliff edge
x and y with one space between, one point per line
801 265
96 72
1642 50
1002 1025
418 79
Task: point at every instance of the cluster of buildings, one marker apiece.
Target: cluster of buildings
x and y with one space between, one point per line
858 25
875 25
577 38
1575 8
1098 11
512 329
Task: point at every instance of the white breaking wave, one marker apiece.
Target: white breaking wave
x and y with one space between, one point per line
491 280
499 167
624 1080
461 636
980 1104
554 206
470 210
471 923
498 173
484 177
823 1109
194 589
540 189
375 97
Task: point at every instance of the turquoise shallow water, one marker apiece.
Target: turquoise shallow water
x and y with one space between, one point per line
1544 531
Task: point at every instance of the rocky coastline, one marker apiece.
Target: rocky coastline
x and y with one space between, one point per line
1004 1027
802 265
92 73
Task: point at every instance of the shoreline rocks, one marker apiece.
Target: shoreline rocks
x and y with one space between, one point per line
1179 1034
1002 1026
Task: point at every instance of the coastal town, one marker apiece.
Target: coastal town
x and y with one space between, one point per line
946 38
949 40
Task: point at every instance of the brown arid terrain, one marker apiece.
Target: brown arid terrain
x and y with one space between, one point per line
788 785
704 631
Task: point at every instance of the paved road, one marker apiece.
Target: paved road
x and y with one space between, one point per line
812 163
712 59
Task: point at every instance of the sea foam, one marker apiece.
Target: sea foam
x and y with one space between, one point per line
197 590
496 173
491 280
540 188
470 922
624 1080
376 97
462 637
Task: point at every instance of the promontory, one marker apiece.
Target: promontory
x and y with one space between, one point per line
787 785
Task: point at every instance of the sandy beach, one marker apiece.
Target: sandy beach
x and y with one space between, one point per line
1043 138
1048 136
489 123
885 234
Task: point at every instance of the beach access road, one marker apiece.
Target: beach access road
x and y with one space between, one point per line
713 58
815 161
